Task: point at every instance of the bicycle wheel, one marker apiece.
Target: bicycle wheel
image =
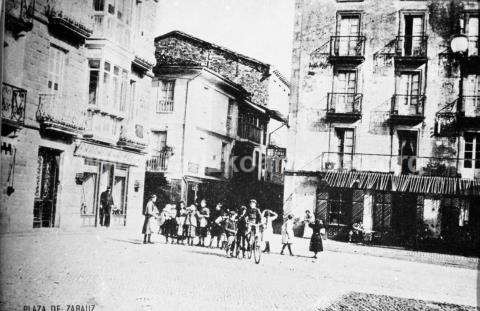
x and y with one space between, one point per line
257 251
249 248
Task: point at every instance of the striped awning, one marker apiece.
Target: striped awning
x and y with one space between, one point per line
403 183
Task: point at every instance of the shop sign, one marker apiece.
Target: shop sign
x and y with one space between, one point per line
106 154
277 152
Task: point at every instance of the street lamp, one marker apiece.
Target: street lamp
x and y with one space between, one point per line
459 46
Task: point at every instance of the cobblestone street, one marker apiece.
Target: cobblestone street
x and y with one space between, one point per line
114 271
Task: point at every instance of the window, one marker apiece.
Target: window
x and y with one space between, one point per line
107 96
408 98
339 206
345 146
93 81
116 90
413 33
133 111
98 5
159 140
139 19
123 92
407 150
347 40
472 150
470 27
119 191
344 88
471 95
229 116
382 211
88 193
165 95
56 65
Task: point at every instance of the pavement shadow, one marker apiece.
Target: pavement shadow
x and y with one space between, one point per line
223 255
129 241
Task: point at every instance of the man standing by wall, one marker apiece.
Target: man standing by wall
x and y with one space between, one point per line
106 201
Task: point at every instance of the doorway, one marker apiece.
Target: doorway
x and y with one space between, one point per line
407 151
413 35
44 207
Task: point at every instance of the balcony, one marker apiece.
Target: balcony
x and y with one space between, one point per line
393 164
344 107
58 113
165 106
14 101
347 49
132 137
411 49
407 109
158 163
19 15
62 23
141 63
250 132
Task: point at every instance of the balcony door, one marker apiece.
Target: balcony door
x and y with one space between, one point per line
345 144
407 151
471 95
348 30
408 93
472 33
56 67
413 35
345 87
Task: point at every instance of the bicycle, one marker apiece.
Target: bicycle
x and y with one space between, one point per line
255 243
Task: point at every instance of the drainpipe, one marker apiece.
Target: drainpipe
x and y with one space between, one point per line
184 128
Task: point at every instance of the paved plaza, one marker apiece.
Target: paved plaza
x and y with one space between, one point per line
114 271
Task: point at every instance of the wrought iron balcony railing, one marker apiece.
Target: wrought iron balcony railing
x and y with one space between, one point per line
165 106
250 132
470 106
132 137
386 163
411 46
58 112
407 108
19 15
158 163
14 101
344 104
347 46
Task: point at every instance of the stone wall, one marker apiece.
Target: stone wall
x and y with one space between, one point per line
175 50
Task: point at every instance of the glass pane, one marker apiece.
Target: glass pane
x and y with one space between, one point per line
88 194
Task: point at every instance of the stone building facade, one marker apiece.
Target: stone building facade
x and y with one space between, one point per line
211 116
383 119
75 95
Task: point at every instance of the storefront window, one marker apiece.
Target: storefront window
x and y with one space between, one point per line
88 194
382 211
340 204
119 195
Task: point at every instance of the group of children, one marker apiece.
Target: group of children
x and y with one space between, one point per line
182 224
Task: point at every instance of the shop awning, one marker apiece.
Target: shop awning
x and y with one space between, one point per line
403 183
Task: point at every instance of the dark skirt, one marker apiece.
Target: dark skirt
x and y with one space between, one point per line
216 230
202 232
316 244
